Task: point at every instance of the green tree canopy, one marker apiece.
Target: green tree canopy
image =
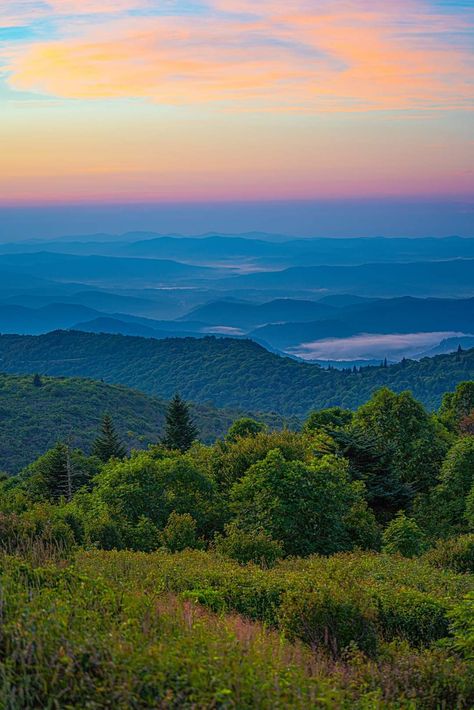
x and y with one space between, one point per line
458 405
146 487
244 427
409 432
302 505
328 419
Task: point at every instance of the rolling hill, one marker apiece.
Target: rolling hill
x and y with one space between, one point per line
243 314
453 278
101 269
32 419
233 373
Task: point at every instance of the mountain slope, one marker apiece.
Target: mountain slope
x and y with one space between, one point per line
32 419
227 372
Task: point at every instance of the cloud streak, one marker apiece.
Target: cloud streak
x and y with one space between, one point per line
338 56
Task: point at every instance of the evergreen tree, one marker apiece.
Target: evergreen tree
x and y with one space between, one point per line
108 445
37 382
59 473
180 431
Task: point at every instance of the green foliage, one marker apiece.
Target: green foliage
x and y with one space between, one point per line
446 510
328 419
106 632
302 505
455 553
179 532
457 406
244 427
231 460
403 536
371 460
462 626
180 431
132 500
107 445
362 528
415 616
59 473
33 419
256 546
470 509
402 423
358 598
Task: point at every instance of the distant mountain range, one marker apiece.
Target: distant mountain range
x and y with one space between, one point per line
284 293
280 324
430 278
255 246
225 372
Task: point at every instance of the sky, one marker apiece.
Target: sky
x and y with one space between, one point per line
168 102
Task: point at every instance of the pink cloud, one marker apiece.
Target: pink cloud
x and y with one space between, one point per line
339 56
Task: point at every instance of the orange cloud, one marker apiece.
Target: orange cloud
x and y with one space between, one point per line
343 55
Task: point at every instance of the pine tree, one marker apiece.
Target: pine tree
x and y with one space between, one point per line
37 382
180 431
108 445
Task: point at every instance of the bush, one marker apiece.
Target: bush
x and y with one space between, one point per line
179 532
462 626
327 616
409 614
403 536
456 553
258 547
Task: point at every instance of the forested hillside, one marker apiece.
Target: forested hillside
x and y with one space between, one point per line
227 372
35 413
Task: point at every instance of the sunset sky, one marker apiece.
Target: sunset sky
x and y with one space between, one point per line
180 100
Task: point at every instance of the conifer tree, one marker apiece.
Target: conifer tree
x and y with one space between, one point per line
180 431
37 382
108 445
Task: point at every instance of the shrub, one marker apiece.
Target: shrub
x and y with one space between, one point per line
258 546
409 614
455 553
462 626
328 616
403 536
179 532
